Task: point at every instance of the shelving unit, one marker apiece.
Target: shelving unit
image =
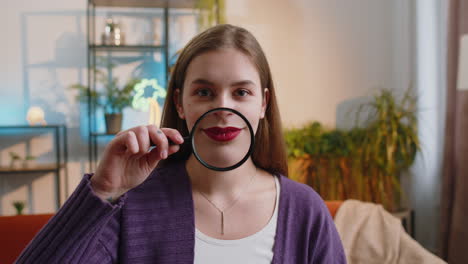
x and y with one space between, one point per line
40 168
61 156
163 8
125 48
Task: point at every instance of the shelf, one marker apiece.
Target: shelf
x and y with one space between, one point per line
164 11
28 126
144 3
126 47
58 167
52 167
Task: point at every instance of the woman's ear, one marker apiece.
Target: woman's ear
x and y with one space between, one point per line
266 99
179 108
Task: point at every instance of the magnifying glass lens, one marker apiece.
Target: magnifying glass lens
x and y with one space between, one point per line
222 139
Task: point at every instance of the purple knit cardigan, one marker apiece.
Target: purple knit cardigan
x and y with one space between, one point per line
155 223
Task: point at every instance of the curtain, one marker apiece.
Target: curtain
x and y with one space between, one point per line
454 204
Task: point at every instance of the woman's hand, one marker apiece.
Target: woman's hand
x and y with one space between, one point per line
127 161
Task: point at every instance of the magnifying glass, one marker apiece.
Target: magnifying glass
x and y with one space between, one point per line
222 139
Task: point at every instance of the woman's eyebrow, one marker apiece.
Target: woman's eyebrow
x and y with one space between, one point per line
202 81
242 83
236 83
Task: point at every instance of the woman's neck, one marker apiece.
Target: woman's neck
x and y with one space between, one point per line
219 184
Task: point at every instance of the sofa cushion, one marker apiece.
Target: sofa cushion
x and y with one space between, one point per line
16 232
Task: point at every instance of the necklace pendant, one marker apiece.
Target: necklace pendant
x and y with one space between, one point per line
222 223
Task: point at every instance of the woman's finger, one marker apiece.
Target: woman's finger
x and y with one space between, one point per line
141 133
124 142
160 140
174 135
154 158
173 149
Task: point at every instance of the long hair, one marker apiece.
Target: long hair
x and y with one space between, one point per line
270 149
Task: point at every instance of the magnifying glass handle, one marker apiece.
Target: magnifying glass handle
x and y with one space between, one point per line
186 139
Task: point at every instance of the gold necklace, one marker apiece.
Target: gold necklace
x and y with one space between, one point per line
232 204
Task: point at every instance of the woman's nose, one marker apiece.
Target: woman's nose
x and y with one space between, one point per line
222 114
224 100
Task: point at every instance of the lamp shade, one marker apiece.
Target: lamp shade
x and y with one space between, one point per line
35 116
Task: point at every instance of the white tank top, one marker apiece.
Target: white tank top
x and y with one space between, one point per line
257 248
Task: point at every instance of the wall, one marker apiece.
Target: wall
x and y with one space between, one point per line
324 53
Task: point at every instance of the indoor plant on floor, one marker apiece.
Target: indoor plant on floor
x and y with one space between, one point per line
113 99
364 163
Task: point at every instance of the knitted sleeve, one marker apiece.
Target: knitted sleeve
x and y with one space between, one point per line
84 230
326 245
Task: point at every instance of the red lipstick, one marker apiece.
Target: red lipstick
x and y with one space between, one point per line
222 134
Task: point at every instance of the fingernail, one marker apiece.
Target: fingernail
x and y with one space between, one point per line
164 154
180 138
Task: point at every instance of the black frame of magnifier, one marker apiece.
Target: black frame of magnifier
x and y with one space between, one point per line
252 140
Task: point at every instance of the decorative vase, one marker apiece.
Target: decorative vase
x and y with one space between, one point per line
112 34
113 123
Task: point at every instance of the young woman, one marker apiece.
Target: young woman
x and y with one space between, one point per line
163 206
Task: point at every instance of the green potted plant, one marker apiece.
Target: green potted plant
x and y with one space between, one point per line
391 142
209 11
14 159
112 99
363 163
19 206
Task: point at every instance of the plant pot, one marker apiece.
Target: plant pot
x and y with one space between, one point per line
113 123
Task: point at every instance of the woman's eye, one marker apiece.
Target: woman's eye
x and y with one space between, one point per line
203 92
242 92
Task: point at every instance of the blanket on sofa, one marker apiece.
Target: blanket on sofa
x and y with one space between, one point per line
371 235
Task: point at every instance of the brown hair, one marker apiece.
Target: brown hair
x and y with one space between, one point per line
269 150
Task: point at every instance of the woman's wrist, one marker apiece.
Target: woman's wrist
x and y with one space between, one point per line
104 194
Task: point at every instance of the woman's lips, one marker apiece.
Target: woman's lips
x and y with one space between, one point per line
222 134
